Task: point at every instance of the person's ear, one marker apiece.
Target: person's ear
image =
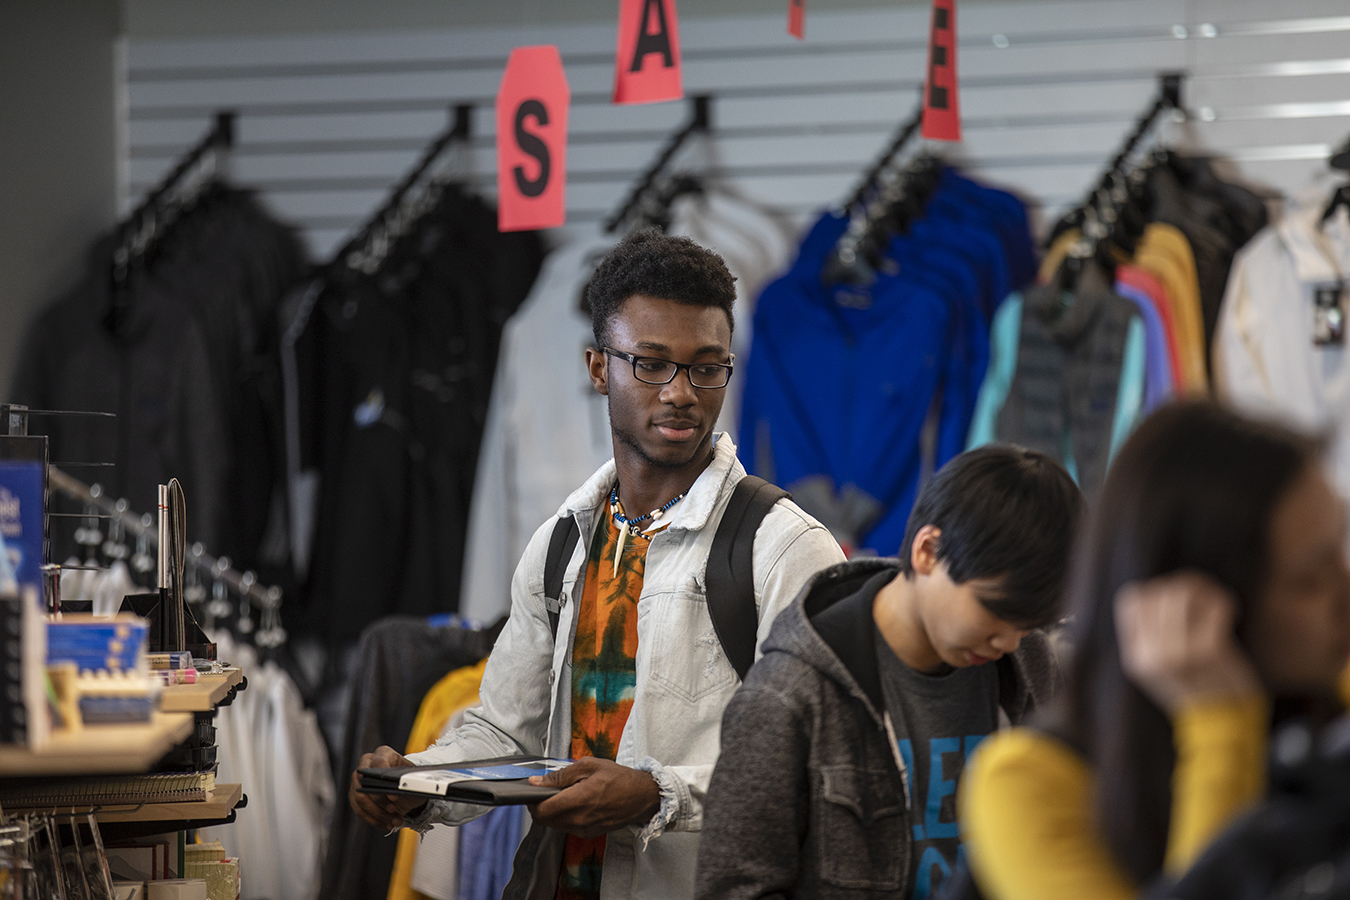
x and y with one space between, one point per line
923 554
598 369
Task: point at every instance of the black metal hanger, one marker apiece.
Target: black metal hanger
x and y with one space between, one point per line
141 233
367 249
1168 98
899 140
1340 198
700 121
1340 159
875 208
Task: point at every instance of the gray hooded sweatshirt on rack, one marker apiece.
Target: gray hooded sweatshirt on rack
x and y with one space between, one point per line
809 796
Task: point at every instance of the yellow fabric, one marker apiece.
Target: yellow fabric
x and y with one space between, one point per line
447 697
1166 254
1059 249
1026 805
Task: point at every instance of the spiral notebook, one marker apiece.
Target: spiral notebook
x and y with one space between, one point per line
106 790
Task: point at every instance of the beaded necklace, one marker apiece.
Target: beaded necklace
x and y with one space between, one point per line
631 526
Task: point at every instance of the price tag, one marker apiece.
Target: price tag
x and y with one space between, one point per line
1328 315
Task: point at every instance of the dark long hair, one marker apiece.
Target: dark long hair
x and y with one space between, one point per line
1194 488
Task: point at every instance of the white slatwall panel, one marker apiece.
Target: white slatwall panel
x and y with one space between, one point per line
328 122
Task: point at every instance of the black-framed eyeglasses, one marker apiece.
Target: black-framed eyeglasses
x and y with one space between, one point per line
652 370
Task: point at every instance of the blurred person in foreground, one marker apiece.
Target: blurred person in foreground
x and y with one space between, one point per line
1210 599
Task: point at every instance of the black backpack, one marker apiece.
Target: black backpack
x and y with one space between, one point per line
729 579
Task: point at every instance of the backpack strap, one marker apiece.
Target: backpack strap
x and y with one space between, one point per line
561 543
730 581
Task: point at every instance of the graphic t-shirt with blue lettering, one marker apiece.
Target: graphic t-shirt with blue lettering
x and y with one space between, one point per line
938 720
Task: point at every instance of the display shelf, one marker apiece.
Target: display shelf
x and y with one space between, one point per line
217 805
100 749
202 696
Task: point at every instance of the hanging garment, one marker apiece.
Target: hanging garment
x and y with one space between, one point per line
547 428
1216 217
852 393
405 362
451 695
397 661
487 852
1159 381
173 365
271 745
1270 359
1143 282
1072 382
1164 252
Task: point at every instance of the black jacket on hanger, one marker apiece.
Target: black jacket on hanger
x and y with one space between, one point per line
405 359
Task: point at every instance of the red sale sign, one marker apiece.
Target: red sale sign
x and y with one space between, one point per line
532 105
797 19
941 107
647 66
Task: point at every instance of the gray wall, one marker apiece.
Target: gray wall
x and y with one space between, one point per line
57 151
174 18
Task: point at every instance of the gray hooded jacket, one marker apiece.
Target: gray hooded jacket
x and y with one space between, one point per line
808 797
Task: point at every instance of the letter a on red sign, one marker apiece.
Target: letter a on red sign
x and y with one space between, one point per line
797 19
647 65
941 106
532 106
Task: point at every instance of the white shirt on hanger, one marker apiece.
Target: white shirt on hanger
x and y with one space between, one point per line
1266 361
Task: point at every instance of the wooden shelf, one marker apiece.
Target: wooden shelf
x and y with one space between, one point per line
216 806
100 749
202 696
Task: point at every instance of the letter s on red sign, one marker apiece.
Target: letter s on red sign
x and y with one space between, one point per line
532 107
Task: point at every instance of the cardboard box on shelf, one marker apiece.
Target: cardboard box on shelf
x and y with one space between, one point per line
176 889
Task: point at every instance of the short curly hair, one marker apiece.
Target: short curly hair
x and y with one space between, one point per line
656 264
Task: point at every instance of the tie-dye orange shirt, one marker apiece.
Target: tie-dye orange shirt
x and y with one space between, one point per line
604 676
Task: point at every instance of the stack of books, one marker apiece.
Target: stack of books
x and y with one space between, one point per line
110 790
209 863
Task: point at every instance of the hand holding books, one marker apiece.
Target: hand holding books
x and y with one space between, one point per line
382 810
597 796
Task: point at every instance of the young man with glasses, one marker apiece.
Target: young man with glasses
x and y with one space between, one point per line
634 683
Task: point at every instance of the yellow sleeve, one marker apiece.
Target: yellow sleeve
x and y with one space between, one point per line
1026 818
456 691
1220 771
1026 807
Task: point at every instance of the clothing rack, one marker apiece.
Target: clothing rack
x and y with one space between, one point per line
1340 158
411 198
141 231
700 121
1168 98
889 212
244 584
902 136
850 259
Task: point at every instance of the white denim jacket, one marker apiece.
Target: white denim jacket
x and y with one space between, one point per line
684 680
